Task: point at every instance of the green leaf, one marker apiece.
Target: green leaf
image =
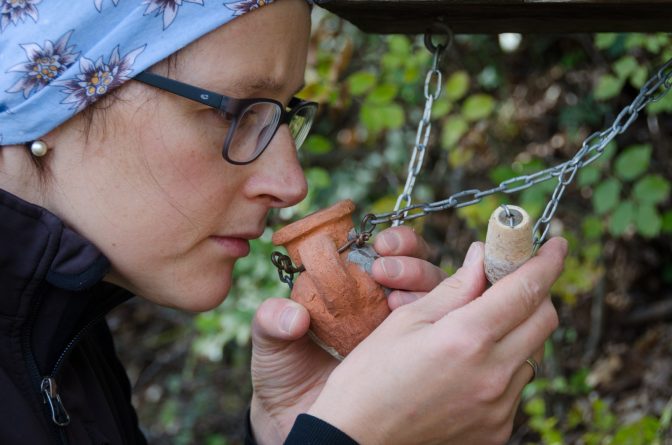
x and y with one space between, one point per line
592 227
642 432
441 107
635 40
608 153
454 128
648 221
478 106
460 156
652 189
457 85
664 105
667 222
633 162
639 77
501 173
625 66
317 144
392 115
621 218
536 407
606 195
605 40
371 118
383 94
360 82
652 44
318 178
588 176
607 87
391 61
399 44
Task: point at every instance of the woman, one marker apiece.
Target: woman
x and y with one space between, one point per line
156 189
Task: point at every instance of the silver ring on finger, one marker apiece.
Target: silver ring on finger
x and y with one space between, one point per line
535 367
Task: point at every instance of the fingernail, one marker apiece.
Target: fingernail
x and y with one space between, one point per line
288 319
472 256
391 240
391 267
565 246
405 297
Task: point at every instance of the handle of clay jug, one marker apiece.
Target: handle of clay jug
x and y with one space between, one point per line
327 271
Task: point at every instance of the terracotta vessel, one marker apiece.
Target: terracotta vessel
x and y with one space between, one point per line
344 302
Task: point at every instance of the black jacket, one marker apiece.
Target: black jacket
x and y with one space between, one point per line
60 379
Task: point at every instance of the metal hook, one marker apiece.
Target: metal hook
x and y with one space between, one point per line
438 28
510 216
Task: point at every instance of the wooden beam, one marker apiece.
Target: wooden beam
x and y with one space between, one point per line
497 16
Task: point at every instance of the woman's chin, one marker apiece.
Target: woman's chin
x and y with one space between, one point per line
191 294
197 299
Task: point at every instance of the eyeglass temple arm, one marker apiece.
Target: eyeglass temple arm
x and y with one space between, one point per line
182 89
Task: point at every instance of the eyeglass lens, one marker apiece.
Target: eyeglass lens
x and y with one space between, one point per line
257 125
300 124
253 131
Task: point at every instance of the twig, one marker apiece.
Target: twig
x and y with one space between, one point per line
596 321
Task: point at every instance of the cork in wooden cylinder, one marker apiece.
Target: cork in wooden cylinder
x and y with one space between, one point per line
509 241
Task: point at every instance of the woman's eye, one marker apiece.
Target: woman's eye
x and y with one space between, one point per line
249 118
224 116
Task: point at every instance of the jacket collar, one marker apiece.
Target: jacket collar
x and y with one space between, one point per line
36 245
50 279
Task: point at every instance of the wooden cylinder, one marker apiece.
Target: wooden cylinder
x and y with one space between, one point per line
509 241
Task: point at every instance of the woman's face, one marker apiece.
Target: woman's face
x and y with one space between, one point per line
149 185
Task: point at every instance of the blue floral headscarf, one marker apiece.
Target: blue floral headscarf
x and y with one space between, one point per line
58 57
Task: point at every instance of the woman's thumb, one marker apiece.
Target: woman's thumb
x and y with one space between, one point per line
278 321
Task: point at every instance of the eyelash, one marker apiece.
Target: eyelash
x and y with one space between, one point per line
223 115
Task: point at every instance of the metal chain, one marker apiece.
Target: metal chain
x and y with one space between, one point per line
286 269
592 148
433 83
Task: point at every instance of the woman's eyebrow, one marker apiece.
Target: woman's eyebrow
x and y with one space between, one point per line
251 86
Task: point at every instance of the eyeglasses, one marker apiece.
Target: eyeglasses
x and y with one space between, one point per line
252 123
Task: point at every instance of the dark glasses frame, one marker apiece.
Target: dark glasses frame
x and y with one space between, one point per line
230 105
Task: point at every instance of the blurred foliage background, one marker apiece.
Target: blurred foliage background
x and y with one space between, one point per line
510 105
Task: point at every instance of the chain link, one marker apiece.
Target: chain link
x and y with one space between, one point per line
433 84
591 149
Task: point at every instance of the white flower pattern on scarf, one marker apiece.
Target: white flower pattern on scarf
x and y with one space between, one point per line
99 4
168 8
45 63
99 78
242 6
13 11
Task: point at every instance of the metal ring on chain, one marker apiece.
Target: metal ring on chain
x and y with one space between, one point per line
438 28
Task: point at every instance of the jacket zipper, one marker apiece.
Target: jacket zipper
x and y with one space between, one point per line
49 388
38 380
47 384
59 415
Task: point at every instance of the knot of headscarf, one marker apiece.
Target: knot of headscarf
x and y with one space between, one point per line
58 57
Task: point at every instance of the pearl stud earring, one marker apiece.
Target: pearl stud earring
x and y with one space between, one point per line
39 148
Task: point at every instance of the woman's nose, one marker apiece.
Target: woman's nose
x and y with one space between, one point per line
278 174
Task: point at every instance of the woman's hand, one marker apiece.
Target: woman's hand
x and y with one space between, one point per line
404 266
288 369
448 367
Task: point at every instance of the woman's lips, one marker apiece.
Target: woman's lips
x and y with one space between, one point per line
236 247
